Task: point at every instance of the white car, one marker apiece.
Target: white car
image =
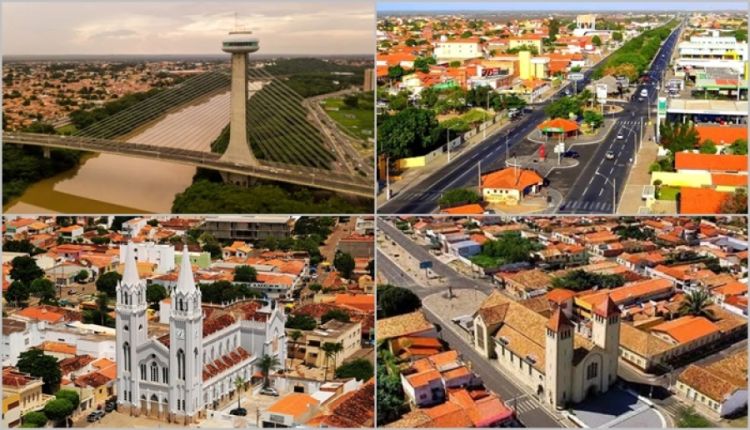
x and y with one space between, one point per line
609 155
620 136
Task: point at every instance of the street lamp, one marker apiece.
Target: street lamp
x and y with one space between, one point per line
614 190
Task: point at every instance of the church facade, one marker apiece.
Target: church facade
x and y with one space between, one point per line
179 375
547 354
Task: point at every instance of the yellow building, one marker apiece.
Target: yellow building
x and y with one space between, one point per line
531 40
27 388
532 67
349 335
11 410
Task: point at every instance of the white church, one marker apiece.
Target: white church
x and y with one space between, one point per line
177 376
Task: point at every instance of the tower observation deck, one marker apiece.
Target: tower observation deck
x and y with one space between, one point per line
239 44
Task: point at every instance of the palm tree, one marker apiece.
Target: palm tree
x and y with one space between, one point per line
294 335
267 364
327 348
696 304
239 384
102 305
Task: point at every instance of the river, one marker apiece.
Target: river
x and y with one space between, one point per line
109 183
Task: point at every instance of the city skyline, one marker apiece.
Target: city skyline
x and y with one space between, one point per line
545 6
144 28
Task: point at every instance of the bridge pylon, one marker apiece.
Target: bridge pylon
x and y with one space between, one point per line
239 44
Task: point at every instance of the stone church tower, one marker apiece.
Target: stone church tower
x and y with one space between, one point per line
606 335
558 359
185 345
132 332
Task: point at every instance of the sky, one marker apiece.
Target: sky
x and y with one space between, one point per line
168 27
559 5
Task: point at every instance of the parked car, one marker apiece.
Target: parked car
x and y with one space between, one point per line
609 155
241 412
571 154
95 416
269 391
109 407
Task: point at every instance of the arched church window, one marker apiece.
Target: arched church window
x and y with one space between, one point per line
181 364
126 355
154 372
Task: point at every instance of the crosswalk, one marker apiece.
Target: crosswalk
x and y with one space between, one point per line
589 206
631 123
524 405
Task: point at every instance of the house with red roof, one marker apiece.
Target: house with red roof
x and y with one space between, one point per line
510 185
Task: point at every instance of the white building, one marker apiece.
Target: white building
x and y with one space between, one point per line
179 375
458 49
161 255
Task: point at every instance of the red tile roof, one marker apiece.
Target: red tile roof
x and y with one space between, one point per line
710 162
511 178
701 200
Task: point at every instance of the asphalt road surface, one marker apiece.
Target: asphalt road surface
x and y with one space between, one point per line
422 198
593 189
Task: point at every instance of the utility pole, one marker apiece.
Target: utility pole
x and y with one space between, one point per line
387 178
487 108
448 144
479 177
614 196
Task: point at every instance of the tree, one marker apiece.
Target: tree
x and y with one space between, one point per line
44 290
81 276
594 119
335 314
395 72
331 350
739 147
390 392
580 280
39 365
678 137
156 293
411 132
344 263
361 369
315 287
69 395
24 269
239 384
454 64
351 101
294 336
596 40
102 306
708 147
267 364
23 246
563 107
33 420
213 248
245 274
687 417
617 36
301 322
394 300
17 293
58 409
696 303
107 283
459 196
735 203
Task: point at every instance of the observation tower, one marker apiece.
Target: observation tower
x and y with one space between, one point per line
239 43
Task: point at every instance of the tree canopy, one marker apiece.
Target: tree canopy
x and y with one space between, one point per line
359 368
409 133
394 300
344 263
580 280
37 364
107 283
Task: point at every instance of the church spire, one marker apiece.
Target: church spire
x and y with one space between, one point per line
185 280
130 273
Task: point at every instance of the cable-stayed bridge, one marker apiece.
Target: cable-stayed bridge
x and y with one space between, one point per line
280 141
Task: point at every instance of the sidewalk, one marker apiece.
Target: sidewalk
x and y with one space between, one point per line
413 176
639 176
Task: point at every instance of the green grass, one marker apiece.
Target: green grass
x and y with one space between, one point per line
485 260
475 116
67 129
668 193
358 122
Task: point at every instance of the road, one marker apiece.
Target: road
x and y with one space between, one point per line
529 410
422 198
592 192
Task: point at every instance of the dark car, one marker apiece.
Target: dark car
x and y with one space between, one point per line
571 154
109 407
95 416
241 412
